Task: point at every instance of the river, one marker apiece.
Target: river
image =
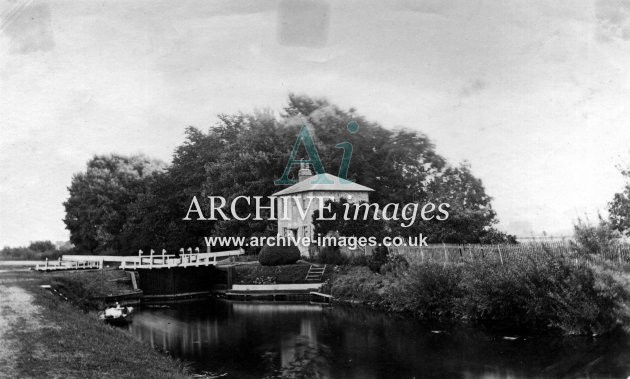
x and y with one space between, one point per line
254 340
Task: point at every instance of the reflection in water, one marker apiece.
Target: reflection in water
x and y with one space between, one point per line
252 340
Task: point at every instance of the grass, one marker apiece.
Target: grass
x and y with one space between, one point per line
72 344
86 289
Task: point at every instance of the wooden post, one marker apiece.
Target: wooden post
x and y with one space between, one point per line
500 255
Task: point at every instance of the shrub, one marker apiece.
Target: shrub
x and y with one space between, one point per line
541 294
378 258
359 283
278 255
358 260
429 291
594 239
396 264
497 295
331 255
577 299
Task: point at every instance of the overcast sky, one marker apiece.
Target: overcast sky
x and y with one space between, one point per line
535 95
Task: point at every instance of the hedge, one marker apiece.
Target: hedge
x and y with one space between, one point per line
278 255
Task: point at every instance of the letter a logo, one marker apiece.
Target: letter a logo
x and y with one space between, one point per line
303 137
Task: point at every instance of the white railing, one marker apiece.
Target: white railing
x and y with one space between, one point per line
87 262
168 261
78 262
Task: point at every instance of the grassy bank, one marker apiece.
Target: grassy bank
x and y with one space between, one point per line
87 289
533 295
55 339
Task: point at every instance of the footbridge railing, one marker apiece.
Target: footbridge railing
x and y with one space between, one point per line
164 260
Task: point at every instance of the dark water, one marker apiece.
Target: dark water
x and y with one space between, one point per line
254 340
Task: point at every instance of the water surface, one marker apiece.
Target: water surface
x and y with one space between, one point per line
254 340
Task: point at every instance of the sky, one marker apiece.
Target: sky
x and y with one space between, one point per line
534 95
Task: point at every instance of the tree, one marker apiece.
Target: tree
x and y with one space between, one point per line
99 200
243 154
470 214
395 163
155 217
42 246
619 208
471 217
595 239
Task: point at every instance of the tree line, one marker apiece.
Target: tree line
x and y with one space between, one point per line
121 204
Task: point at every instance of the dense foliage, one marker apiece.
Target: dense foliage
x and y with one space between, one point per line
598 239
330 255
98 206
548 293
121 204
471 217
37 250
619 208
278 255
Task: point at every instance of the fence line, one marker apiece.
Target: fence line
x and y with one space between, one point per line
503 253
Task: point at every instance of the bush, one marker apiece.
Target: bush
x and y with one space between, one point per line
429 291
358 260
331 255
396 264
359 283
378 258
539 294
594 239
497 295
278 255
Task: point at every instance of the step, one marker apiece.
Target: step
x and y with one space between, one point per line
315 273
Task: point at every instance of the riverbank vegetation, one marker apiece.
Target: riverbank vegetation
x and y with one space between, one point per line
537 295
88 289
579 287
